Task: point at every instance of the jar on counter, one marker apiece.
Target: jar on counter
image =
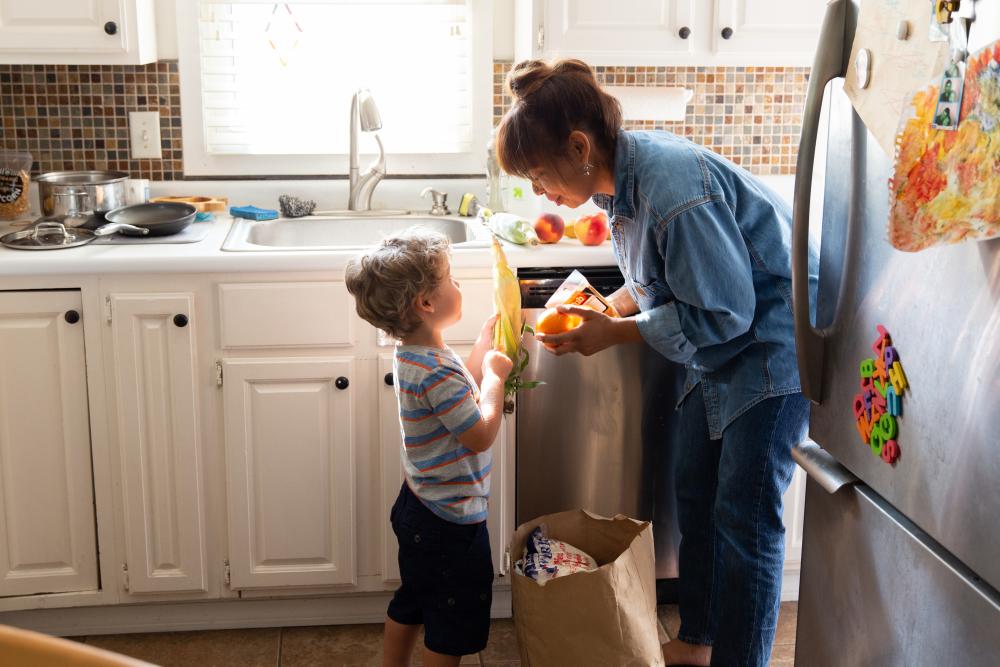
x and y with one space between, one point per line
15 177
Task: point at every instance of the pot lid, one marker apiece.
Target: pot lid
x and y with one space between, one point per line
47 236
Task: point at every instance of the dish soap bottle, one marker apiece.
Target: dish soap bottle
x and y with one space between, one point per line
496 185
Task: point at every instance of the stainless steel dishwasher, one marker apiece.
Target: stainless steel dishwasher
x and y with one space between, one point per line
598 435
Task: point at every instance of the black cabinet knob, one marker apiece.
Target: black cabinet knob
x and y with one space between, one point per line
111 27
684 32
388 379
181 320
72 316
342 383
727 32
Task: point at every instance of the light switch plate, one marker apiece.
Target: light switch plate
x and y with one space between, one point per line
144 132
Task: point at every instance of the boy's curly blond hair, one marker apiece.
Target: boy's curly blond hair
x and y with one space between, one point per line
386 280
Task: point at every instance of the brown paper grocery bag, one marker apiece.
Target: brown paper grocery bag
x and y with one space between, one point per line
606 617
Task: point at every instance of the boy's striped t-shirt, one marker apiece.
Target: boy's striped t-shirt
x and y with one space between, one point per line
438 401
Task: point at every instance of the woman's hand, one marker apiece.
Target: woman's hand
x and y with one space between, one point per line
595 333
623 302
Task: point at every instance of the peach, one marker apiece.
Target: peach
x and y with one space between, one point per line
549 228
592 230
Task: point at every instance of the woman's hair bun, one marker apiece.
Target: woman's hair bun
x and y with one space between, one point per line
528 76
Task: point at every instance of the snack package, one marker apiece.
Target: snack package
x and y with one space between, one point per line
577 291
546 558
15 177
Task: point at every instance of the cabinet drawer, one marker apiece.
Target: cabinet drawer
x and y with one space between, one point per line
319 314
477 305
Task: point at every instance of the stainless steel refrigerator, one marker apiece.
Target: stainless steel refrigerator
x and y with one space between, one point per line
900 563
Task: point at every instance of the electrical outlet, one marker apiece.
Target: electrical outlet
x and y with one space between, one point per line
144 132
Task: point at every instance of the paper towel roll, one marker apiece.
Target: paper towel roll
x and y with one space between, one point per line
662 104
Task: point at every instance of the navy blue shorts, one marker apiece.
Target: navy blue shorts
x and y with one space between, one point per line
447 577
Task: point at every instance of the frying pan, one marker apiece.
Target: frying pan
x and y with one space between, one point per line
160 218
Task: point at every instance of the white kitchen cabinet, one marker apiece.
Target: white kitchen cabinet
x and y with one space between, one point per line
786 31
669 32
289 426
625 32
77 32
157 407
47 530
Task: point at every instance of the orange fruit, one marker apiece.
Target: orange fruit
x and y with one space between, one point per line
551 321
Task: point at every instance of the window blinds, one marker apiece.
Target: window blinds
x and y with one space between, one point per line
277 78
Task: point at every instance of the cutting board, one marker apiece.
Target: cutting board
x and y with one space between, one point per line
202 204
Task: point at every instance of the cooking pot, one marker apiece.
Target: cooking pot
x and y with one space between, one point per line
92 193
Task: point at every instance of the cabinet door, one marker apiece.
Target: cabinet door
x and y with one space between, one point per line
390 444
626 32
792 516
501 507
64 26
290 471
47 531
155 369
764 30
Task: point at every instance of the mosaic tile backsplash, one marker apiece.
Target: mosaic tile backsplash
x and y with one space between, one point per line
751 115
76 116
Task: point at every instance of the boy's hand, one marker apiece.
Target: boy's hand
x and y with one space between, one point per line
498 364
485 340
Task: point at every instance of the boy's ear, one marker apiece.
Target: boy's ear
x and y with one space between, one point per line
423 304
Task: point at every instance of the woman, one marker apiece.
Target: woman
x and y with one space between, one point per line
704 248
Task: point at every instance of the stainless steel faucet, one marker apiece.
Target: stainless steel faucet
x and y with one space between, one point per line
364 116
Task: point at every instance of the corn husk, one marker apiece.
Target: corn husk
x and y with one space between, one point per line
509 328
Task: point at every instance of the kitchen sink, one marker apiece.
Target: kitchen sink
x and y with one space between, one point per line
320 233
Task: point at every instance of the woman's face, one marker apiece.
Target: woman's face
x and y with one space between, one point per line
571 192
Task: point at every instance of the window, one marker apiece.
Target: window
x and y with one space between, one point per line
267 87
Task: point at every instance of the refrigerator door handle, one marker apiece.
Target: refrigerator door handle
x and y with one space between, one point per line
822 467
831 51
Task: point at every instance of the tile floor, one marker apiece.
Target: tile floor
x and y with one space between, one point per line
346 645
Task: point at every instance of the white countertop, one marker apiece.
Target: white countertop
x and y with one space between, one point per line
207 257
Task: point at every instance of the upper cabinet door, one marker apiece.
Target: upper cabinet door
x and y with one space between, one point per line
47 532
160 442
765 32
77 32
625 32
290 471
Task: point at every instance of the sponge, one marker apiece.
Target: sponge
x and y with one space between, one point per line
253 213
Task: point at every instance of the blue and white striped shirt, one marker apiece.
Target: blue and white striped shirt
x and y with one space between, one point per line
438 401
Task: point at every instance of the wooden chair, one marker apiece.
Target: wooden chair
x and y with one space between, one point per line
24 648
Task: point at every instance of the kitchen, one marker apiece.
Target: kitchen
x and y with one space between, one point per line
192 481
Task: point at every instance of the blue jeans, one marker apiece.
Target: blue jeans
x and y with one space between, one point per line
732 537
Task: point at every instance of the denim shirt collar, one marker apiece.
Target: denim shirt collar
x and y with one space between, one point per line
622 204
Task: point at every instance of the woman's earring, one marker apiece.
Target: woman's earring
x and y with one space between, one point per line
587 169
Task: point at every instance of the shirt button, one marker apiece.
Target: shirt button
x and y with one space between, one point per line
451 602
416 538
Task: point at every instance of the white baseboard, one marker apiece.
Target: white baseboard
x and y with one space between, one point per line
215 615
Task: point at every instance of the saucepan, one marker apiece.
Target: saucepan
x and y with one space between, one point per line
92 193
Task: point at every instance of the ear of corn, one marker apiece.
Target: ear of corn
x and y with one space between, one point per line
509 328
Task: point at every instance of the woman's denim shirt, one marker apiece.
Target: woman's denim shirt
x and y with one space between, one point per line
705 251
